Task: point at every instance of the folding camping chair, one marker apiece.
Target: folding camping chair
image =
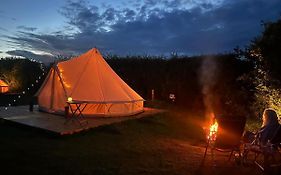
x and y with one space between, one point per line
228 138
267 157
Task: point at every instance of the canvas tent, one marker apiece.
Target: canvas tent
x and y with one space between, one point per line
3 87
90 80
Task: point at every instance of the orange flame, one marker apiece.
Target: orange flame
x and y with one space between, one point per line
213 131
212 128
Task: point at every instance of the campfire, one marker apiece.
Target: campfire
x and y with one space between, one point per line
211 133
213 129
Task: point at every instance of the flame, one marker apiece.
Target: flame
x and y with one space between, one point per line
212 127
213 131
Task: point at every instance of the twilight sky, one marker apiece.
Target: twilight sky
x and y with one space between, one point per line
45 28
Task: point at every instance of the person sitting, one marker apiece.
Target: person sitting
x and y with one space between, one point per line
269 126
268 129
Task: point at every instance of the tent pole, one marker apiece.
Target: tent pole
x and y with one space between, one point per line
52 90
61 80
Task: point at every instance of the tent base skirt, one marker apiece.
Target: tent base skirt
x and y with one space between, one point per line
103 110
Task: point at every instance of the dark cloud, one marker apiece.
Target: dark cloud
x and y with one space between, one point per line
30 55
83 16
27 28
206 28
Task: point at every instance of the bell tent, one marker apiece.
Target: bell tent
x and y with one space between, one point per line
3 87
89 80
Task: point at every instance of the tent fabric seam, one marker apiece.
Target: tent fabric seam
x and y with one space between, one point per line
100 79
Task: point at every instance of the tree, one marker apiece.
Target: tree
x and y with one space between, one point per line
265 53
269 44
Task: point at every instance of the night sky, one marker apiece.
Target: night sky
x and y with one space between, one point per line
47 28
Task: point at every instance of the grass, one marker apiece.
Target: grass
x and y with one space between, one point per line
169 143
105 150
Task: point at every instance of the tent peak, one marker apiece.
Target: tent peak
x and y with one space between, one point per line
94 50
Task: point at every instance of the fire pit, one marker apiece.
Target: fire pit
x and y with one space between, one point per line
224 134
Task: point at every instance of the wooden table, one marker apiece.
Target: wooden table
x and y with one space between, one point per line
77 111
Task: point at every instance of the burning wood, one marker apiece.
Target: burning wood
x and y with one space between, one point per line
213 131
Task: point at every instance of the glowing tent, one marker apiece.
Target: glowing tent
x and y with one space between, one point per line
90 80
3 87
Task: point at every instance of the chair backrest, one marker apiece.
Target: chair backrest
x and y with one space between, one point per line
230 131
277 136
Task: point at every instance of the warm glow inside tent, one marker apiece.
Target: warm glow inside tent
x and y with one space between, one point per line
90 80
3 87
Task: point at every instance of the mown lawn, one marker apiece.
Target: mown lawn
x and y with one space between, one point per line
169 143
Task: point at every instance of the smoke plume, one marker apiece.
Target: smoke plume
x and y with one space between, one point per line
208 78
